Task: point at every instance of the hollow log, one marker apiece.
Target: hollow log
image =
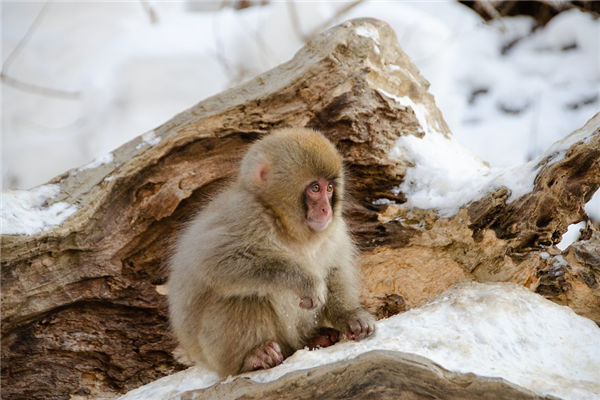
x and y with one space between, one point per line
84 302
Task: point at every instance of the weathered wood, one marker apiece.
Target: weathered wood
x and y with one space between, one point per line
83 305
374 375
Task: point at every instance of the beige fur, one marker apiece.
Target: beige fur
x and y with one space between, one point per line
242 265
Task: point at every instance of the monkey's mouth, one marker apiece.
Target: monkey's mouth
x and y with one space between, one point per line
318 224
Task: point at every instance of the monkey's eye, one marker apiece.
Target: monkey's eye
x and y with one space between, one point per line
330 187
315 187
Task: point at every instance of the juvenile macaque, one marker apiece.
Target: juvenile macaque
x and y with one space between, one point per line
268 267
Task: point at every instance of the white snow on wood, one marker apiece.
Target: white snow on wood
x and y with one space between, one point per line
446 175
104 159
507 93
419 109
173 385
27 212
149 139
571 235
368 31
494 330
592 207
383 201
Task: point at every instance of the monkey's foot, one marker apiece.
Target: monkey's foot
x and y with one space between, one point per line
264 356
324 337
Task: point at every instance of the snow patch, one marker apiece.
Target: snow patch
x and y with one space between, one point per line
172 385
369 31
592 207
445 175
419 109
105 159
383 201
571 235
27 212
150 139
495 330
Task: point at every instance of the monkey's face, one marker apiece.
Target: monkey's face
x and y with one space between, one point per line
297 174
318 196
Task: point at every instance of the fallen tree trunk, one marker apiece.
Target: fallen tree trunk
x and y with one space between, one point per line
83 303
375 375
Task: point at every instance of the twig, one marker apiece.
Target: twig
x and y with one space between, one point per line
338 14
296 20
26 86
33 88
219 50
150 11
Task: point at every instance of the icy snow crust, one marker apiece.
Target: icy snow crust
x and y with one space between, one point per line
27 211
494 330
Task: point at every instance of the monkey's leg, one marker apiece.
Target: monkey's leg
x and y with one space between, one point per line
241 334
264 356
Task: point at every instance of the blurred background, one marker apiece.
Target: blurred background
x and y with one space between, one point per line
81 78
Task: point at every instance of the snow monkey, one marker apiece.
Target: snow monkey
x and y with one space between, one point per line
268 266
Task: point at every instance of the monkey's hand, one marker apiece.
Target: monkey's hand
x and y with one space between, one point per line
359 325
316 297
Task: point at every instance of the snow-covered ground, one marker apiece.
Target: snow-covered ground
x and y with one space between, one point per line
507 93
494 330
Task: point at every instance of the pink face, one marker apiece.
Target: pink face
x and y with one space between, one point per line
318 202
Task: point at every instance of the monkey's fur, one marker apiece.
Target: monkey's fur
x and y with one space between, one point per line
245 263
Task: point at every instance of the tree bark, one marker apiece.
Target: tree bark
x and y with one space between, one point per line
377 375
84 305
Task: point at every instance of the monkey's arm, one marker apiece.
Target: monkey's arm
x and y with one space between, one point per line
254 273
343 308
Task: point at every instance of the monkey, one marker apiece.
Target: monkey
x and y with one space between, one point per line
268 266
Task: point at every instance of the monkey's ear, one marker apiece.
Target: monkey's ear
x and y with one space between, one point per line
261 172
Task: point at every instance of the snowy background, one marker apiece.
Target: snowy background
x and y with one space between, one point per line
105 72
507 93
101 73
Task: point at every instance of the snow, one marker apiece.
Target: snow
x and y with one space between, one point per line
368 31
105 159
383 201
418 109
506 92
571 235
592 207
494 330
148 139
172 385
445 175
133 75
28 212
